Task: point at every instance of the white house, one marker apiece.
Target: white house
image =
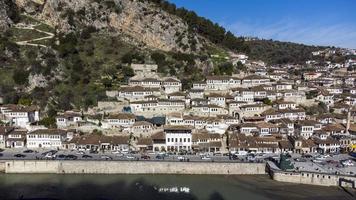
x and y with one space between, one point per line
46 138
68 118
119 120
178 138
18 115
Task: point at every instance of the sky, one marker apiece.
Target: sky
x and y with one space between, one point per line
313 22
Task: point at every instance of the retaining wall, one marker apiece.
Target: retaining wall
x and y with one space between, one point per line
132 167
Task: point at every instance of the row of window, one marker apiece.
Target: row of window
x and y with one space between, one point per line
178 139
43 136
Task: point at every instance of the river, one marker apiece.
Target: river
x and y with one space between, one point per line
157 187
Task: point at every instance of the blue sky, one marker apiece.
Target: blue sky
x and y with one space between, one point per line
315 22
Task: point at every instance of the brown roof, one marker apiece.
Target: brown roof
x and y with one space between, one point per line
121 116
144 141
285 144
5 129
20 108
49 131
205 136
159 136
137 89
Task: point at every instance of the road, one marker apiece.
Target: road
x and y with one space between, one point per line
9 154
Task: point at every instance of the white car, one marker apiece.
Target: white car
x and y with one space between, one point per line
50 155
131 157
206 158
116 152
80 152
106 157
181 158
347 163
241 153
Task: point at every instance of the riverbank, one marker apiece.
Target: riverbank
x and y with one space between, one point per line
129 167
201 187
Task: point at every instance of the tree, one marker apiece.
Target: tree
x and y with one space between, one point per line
49 122
20 76
267 101
24 101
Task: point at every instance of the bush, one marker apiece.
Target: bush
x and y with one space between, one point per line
20 76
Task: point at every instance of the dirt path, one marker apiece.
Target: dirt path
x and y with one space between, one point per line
32 27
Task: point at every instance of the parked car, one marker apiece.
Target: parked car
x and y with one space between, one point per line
251 157
130 157
300 159
241 153
347 163
145 157
71 157
51 152
206 158
86 156
93 152
29 151
80 152
19 155
105 157
1 155
307 156
1 150
50 155
116 152
181 158
159 157
61 157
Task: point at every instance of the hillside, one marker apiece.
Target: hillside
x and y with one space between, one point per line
63 54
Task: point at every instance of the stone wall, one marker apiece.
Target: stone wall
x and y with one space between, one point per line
311 178
132 167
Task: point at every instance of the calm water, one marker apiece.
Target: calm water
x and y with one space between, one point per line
132 187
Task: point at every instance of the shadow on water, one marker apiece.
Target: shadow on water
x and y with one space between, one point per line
120 190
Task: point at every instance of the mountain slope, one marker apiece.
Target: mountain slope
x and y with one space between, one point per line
140 22
64 54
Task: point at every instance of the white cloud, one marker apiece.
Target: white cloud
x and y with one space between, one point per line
342 35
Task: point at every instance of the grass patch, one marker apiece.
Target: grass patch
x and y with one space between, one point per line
6 77
25 34
45 27
28 20
47 42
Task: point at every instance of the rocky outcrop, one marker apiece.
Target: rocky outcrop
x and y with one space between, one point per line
139 21
5 14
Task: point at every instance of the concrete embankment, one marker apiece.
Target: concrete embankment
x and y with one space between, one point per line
311 178
131 167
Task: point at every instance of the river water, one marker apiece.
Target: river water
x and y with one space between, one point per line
157 187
